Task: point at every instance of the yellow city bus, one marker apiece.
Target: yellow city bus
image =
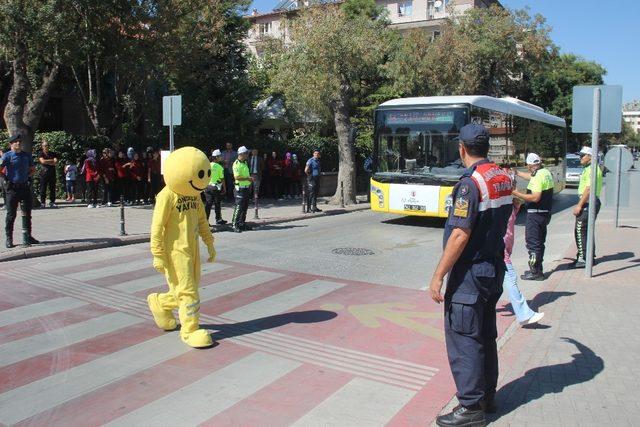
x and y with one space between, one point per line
415 158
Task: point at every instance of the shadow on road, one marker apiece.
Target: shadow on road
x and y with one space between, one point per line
543 380
271 322
417 221
636 263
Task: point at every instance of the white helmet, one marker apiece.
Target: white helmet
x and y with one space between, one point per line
533 159
216 153
242 150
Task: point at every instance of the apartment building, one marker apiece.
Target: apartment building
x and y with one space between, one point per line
633 118
403 15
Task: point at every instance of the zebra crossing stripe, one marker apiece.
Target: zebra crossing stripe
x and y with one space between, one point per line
360 402
47 393
33 311
197 402
35 345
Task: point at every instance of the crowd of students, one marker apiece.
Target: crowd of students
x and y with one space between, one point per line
102 181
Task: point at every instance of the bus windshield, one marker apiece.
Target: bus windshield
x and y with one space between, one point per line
419 141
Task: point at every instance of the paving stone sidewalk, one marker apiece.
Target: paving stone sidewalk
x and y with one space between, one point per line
580 366
74 227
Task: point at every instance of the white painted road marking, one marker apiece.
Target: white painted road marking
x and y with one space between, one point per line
33 311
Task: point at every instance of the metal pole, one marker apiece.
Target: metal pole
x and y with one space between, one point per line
122 232
171 145
341 194
595 135
304 196
618 179
255 202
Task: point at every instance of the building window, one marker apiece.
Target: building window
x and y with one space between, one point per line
264 28
405 8
435 35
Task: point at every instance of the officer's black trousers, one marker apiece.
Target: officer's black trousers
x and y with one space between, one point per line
243 195
18 194
580 230
535 235
313 185
47 182
212 197
470 330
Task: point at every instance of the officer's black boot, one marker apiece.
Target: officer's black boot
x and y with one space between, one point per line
9 233
533 274
26 224
461 416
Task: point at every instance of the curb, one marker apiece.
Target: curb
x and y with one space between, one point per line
108 242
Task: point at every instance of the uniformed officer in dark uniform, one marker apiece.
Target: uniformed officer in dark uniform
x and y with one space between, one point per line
539 200
474 259
19 169
313 169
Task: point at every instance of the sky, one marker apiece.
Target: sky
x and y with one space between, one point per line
602 31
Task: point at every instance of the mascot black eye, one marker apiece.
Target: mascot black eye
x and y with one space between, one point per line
201 174
209 173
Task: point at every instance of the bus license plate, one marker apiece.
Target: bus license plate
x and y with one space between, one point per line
415 208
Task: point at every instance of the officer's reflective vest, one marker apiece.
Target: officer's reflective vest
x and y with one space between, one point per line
494 208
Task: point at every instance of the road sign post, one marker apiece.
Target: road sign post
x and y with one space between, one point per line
595 136
595 109
171 115
618 161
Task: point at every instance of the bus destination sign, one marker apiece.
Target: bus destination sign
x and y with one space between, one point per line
420 117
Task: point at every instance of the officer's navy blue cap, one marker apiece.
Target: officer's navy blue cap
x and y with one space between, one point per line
474 134
14 138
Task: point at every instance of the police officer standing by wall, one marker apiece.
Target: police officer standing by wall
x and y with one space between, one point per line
581 210
214 191
243 182
474 259
48 161
19 169
313 169
539 200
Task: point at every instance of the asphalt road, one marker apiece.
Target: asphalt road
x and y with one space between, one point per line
383 249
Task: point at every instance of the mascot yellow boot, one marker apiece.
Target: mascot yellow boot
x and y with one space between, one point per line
178 218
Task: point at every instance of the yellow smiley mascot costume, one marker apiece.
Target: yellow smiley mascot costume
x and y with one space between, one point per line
178 218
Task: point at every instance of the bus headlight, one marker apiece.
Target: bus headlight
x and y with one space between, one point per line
448 203
380 194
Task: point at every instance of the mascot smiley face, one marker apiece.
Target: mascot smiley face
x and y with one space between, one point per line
187 171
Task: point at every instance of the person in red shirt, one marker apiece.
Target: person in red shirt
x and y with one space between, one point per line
122 177
91 177
138 178
107 171
154 178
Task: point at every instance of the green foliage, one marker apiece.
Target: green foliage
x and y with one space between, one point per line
485 51
354 9
330 54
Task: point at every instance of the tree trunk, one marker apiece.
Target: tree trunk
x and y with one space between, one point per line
22 114
346 150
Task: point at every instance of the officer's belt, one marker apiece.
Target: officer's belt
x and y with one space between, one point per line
538 210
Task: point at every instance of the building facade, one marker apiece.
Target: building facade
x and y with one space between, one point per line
633 118
403 15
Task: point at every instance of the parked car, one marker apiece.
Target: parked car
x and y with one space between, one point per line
574 169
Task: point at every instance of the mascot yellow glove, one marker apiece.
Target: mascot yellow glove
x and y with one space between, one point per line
212 253
158 264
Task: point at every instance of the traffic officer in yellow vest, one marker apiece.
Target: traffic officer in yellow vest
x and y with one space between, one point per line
243 181
539 200
212 196
581 210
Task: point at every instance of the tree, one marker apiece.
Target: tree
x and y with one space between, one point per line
485 51
117 53
332 60
35 37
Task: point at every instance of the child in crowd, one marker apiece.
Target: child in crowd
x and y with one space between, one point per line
71 174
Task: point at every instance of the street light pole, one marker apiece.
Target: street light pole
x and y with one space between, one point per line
595 135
